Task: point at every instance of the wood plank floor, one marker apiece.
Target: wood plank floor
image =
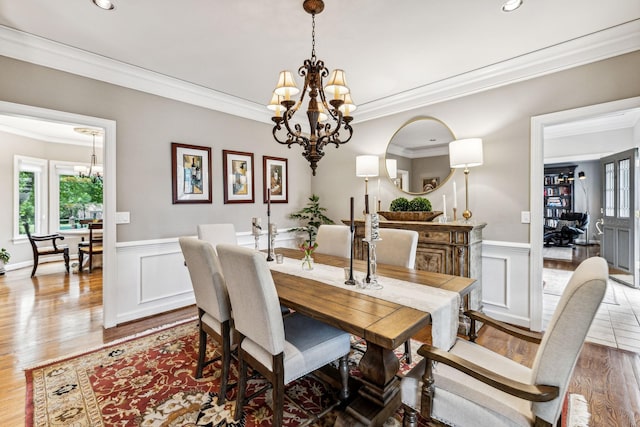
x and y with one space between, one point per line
55 315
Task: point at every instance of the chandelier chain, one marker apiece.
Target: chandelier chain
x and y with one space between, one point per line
313 37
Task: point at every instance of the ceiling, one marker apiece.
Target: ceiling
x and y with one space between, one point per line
396 55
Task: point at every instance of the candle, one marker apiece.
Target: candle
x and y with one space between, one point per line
367 227
455 196
375 204
268 201
351 217
256 225
274 229
444 204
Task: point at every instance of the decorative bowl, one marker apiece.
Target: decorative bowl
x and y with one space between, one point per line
424 216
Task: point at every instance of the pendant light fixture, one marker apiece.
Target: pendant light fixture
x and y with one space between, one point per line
337 110
94 171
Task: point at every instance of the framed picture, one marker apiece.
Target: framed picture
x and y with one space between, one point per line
430 184
190 173
238 176
275 176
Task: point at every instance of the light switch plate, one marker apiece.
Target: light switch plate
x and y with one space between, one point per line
122 217
525 217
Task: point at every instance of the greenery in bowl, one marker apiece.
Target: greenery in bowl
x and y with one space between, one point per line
419 204
4 255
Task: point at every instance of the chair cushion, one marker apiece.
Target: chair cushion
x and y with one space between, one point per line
309 345
463 400
564 223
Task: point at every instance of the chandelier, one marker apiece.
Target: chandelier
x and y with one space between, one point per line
94 171
338 109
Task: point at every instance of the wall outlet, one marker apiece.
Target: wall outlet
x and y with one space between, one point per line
525 217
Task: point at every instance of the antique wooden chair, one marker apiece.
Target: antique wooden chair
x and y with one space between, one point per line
51 247
91 247
281 349
214 308
473 386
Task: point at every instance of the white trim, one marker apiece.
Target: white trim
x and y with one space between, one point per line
109 195
538 124
601 45
39 168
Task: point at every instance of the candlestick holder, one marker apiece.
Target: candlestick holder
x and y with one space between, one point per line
256 238
373 277
272 246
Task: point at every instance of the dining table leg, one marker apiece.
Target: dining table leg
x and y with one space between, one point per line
379 396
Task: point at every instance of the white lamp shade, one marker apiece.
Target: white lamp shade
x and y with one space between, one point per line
286 86
465 153
348 107
337 84
367 166
392 168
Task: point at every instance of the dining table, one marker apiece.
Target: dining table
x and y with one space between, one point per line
383 319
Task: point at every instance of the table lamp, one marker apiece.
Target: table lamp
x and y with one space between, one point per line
367 167
465 153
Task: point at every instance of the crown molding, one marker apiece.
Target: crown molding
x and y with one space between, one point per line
604 44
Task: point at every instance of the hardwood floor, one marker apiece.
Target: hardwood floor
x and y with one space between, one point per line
55 315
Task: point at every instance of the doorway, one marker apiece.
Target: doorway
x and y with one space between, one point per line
109 189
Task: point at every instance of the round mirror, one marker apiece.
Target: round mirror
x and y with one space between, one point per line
417 157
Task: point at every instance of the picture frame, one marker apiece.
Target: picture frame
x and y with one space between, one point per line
275 176
190 173
430 184
238 179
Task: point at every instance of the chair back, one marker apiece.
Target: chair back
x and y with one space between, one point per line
397 247
95 237
206 278
217 233
334 240
256 309
34 245
563 340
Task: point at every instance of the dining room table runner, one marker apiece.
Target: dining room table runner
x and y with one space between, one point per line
441 304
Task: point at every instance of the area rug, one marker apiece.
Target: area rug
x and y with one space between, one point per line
555 281
149 381
554 252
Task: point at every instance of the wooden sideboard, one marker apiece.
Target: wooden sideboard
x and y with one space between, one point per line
451 248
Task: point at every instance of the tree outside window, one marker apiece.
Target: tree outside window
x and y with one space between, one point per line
80 198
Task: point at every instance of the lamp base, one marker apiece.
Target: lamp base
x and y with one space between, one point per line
466 214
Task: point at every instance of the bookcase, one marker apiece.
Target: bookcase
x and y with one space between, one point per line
558 192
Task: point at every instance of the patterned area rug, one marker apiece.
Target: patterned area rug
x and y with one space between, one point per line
149 381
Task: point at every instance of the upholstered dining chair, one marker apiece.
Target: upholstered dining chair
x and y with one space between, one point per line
50 247
218 233
398 247
334 240
214 308
281 349
473 386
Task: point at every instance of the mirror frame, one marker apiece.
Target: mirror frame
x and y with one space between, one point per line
407 123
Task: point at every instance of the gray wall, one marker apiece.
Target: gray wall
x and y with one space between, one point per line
499 189
146 126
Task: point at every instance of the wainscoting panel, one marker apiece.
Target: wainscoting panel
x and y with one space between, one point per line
152 277
505 281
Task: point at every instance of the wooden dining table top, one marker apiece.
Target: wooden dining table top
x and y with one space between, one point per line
378 321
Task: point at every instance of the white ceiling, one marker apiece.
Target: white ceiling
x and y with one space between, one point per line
390 51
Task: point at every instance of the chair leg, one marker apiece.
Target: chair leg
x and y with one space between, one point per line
35 264
242 383
202 351
65 254
80 259
278 401
344 377
409 419
226 361
407 351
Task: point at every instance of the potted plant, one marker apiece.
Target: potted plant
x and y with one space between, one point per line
5 256
417 209
313 216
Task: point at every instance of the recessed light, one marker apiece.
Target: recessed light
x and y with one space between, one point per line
511 5
104 4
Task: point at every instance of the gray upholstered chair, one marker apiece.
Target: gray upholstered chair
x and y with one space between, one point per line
214 308
280 349
217 233
334 240
398 247
473 386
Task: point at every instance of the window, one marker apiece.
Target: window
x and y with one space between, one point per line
73 198
609 189
30 195
624 188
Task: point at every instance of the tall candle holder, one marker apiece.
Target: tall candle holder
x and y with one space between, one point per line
256 231
371 236
351 281
269 255
272 236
